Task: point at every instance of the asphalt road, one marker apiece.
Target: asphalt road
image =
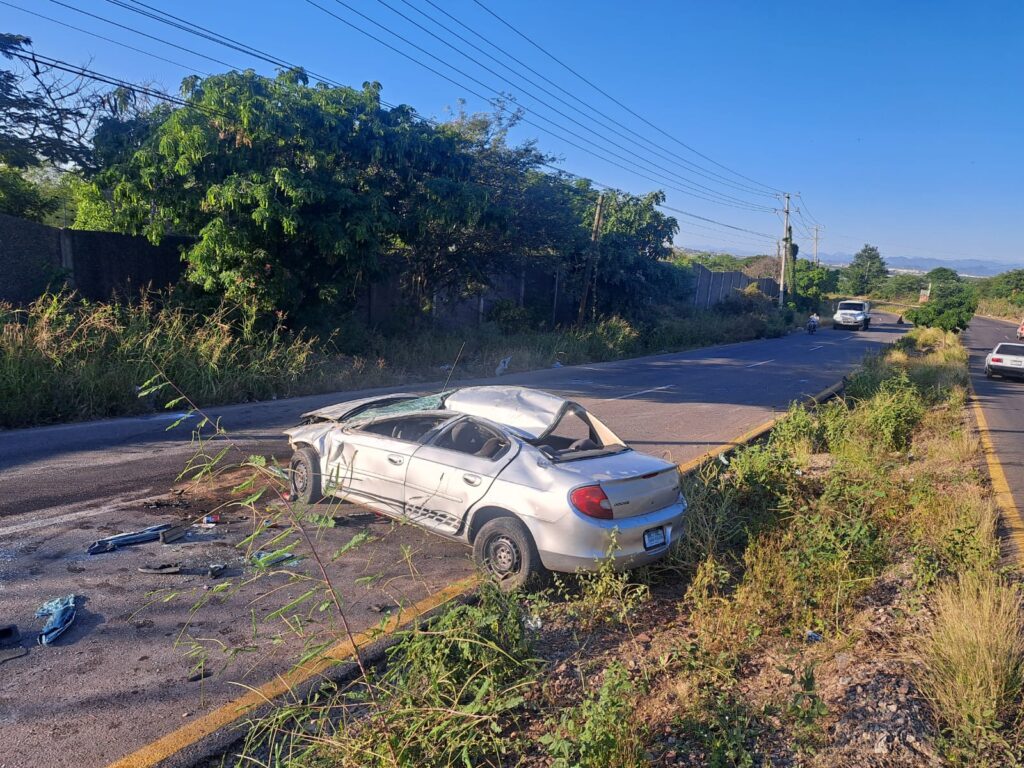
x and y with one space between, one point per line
672 404
1001 399
116 680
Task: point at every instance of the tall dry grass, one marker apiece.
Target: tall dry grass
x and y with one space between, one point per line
64 359
971 660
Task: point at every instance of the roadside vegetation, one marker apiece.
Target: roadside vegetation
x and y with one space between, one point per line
837 597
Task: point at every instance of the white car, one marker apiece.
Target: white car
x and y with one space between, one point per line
1005 360
852 314
530 480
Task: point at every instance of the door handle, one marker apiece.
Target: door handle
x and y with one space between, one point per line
473 480
396 460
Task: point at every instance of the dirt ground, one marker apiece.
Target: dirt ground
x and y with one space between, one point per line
147 652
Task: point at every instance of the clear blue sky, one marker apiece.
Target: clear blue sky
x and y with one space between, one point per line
900 123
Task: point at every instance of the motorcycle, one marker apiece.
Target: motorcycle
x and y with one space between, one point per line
1020 334
812 326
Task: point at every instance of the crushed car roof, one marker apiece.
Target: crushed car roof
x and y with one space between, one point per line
528 411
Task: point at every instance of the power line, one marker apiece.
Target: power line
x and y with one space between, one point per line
256 52
549 106
619 103
658 150
101 37
144 34
664 179
202 32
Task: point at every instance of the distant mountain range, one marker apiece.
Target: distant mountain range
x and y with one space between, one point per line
966 267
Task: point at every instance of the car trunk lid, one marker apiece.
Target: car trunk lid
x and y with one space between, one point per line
634 483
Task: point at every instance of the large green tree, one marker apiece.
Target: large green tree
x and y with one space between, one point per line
293 191
865 272
812 282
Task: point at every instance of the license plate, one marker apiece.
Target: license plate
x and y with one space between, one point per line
655 537
1017 363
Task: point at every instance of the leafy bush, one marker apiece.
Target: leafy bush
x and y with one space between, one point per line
509 316
601 731
888 419
951 307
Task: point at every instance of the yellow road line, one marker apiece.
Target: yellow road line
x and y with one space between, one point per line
177 740
1009 512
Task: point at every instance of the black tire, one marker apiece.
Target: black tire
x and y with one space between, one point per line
505 550
305 475
988 373
864 325
867 324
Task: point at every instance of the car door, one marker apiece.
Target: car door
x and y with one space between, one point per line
453 472
369 464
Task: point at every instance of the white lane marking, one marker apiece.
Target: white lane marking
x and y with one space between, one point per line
820 346
763 362
641 392
46 522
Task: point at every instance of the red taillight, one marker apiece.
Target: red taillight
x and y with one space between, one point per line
997 359
592 502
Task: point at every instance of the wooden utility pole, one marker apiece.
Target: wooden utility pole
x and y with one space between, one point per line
782 270
787 238
595 237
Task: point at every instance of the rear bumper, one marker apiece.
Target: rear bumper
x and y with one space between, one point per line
1006 370
580 543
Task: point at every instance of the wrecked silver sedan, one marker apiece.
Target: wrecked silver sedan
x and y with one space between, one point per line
530 480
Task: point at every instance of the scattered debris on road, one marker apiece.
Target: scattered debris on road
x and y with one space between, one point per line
60 613
161 568
111 543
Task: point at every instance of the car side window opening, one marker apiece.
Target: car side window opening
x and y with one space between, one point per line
470 437
572 433
408 428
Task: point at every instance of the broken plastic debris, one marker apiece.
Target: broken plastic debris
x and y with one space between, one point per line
814 637
175 533
533 623
161 568
111 543
212 519
215 570
503 365
267 559
277 472
61 612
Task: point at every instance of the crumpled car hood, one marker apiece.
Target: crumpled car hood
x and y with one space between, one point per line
528 411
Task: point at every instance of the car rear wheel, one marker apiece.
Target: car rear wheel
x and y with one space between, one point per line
988 373
305 475
505 550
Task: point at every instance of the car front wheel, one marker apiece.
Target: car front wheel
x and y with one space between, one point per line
505 550
305 475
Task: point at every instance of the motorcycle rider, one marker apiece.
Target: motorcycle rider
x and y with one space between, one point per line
816 321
